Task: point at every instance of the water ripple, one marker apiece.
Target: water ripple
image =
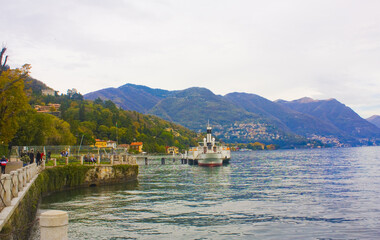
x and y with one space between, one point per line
286 194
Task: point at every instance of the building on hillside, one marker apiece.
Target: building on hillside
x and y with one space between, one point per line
51 108
136 146
100 143
123 146
172 150
111 144
50 92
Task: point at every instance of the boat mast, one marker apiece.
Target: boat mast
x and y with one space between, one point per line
209 136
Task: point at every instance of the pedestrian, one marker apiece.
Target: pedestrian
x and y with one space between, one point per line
48 155
38 158
31 156
3 163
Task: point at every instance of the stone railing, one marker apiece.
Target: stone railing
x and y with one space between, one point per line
113 160
14 182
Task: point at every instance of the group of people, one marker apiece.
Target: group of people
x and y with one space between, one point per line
89 159
64 153
38 157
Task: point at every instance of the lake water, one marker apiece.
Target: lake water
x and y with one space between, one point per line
283 194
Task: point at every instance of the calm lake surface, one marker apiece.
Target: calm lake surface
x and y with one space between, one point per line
284 194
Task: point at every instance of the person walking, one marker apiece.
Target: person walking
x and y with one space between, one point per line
48 156
31 156
38 158
3 163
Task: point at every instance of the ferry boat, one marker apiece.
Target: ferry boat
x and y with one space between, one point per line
209 152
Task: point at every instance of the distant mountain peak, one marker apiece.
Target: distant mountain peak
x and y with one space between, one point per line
373 117
305 100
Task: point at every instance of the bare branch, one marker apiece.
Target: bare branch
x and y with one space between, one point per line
2 65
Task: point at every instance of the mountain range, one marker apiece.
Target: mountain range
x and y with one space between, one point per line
246 117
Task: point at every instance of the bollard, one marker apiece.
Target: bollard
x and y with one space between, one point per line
111 160
81 159
98 160
54 162
163 161
67 160
146 161
121 157
54 225
43 165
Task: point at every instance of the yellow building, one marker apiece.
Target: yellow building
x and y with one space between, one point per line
136 146
100 143
171 150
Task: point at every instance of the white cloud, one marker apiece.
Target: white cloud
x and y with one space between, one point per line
277 49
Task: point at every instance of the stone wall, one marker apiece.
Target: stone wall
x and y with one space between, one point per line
58 179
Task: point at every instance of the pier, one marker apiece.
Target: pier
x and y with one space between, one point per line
152 159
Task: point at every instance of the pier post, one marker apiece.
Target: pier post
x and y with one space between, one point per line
54 225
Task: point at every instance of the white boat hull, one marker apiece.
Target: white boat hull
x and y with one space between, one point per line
210 159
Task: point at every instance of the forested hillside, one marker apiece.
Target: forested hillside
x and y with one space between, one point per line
77 120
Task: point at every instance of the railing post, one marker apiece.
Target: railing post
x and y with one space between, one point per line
54 225
121 159
20 176
33 170
24 177
2 190
14 181
27 173
7 188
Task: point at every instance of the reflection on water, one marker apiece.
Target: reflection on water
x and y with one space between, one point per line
294 194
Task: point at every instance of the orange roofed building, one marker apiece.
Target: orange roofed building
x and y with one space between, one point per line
137 146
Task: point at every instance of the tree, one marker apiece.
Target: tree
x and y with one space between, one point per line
42 129
13 99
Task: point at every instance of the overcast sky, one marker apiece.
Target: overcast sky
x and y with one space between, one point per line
277 49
